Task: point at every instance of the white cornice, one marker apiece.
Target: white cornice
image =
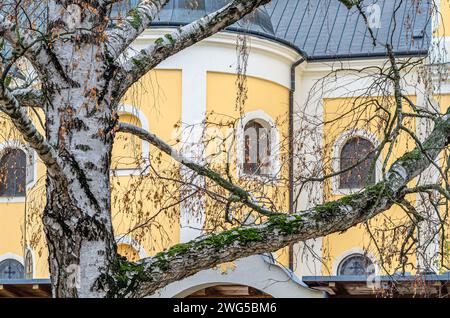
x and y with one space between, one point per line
327 66
229 39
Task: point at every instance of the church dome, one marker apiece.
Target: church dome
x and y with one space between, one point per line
179 12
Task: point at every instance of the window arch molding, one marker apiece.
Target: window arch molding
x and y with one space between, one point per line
127 240
126 109
354 251
12 256
339 144
266 121
31 167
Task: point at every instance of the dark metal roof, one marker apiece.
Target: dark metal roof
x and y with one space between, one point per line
185 11
320 29
325 29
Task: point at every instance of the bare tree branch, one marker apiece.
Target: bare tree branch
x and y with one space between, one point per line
278 231
11 106
238 194
29 97
137 20
8 29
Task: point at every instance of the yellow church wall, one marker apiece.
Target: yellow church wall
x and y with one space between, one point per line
34 235
262 95
444 19
340 116
18 215
11 228
140 200
158 98
127 149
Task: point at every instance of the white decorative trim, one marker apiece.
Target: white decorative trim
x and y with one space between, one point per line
266 121
308 113
336 159
268 60
193 116
14 257
436 18
349 80
439 64
443 88
125 109
229 38
12 200
428 246
11 256
255 271
127 240
356 250
326 66
28 151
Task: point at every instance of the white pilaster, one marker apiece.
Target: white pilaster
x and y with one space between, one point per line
193 115
308 114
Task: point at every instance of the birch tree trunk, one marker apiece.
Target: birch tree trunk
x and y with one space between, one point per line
77 218
79 124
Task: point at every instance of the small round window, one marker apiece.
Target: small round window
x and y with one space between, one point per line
356 265
11 269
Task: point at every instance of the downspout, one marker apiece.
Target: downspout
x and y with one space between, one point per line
291 148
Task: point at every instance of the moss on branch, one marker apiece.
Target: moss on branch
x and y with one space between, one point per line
135 19
123 278
369 196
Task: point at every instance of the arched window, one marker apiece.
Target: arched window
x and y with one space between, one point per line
357 149
127 149
356 264
28 265
13 170
128 251
257 145
11 269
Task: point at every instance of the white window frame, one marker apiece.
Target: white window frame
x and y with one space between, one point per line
125 109
30 153
336 159
266 121
127 240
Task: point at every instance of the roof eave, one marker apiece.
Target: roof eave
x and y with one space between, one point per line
362 56
259 34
